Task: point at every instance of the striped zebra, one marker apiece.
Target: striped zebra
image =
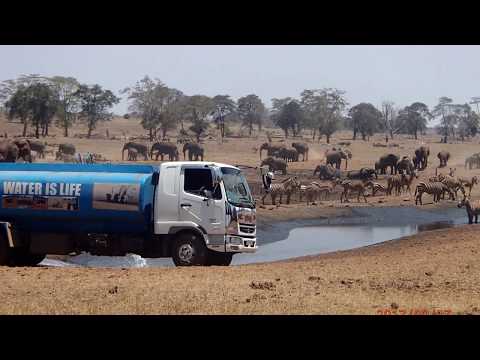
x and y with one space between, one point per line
352 185
286 187
310 192
468 183
376 187
437 189
454 185
395 182
473 208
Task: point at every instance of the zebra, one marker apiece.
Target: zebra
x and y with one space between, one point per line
437 189
473 208
468 183
376 187
352 185
397 182
325 189
453 184
310 191
286 187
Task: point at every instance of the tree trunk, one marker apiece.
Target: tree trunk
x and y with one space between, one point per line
150 134
164 133
65 128
354 134
314 133
250 129
286 133
37 130
328 138
391 134
90 128
364 137
25 125
415 135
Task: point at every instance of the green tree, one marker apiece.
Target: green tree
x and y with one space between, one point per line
251 111
18 107
366 119
289 117
68 103
389 119
196 109
170 111
147 99
443 110
225 107
94 103
414 118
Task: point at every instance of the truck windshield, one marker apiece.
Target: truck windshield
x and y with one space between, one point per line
236 188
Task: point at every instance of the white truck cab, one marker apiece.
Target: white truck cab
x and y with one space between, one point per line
210 198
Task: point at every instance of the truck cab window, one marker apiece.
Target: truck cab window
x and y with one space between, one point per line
197 180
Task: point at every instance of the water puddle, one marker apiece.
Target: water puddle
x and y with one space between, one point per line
289 239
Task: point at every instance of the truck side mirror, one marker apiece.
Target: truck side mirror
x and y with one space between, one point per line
208 194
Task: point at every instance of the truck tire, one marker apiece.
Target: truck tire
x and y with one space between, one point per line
5 252
216 258
189 250
22 257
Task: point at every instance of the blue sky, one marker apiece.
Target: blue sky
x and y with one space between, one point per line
402 74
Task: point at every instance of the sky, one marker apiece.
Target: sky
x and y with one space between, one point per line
402 74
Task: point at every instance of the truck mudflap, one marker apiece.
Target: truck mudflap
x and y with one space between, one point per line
235 244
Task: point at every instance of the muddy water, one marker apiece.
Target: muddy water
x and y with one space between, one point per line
289 239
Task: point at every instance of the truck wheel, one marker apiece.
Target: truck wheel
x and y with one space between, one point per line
5 252
22 257
189 250
219 258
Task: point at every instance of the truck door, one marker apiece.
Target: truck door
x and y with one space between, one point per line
210 213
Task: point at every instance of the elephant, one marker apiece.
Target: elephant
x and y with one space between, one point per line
473 161
38 147
421 157
362 174
132 154
385 161
288 154
275 165
165 148
443 156
334 157
302 149
24 150
67 149
327 172
141 149
194 150
8 151
272 150
405 166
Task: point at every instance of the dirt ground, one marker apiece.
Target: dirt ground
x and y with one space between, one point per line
435 272
435 269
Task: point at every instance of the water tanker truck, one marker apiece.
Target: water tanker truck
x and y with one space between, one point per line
197 213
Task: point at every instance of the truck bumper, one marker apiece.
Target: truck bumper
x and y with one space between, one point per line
236 244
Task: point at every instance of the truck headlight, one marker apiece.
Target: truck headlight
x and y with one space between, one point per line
234 240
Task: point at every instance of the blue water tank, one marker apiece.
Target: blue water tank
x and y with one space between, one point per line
86 198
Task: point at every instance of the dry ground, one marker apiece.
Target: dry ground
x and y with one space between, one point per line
433 269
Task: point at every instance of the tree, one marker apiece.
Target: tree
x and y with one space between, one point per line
147 99
414 118
9 87
288 117
224 107
68 103
196 109
365 119
94 103
447 123
389 117
170 111
468 123
36 103
251 111
18 107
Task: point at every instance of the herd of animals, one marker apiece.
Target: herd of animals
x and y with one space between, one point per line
402 171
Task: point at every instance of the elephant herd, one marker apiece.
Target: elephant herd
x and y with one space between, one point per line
21 150
161 149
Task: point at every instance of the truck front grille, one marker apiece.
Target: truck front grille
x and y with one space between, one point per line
247 229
